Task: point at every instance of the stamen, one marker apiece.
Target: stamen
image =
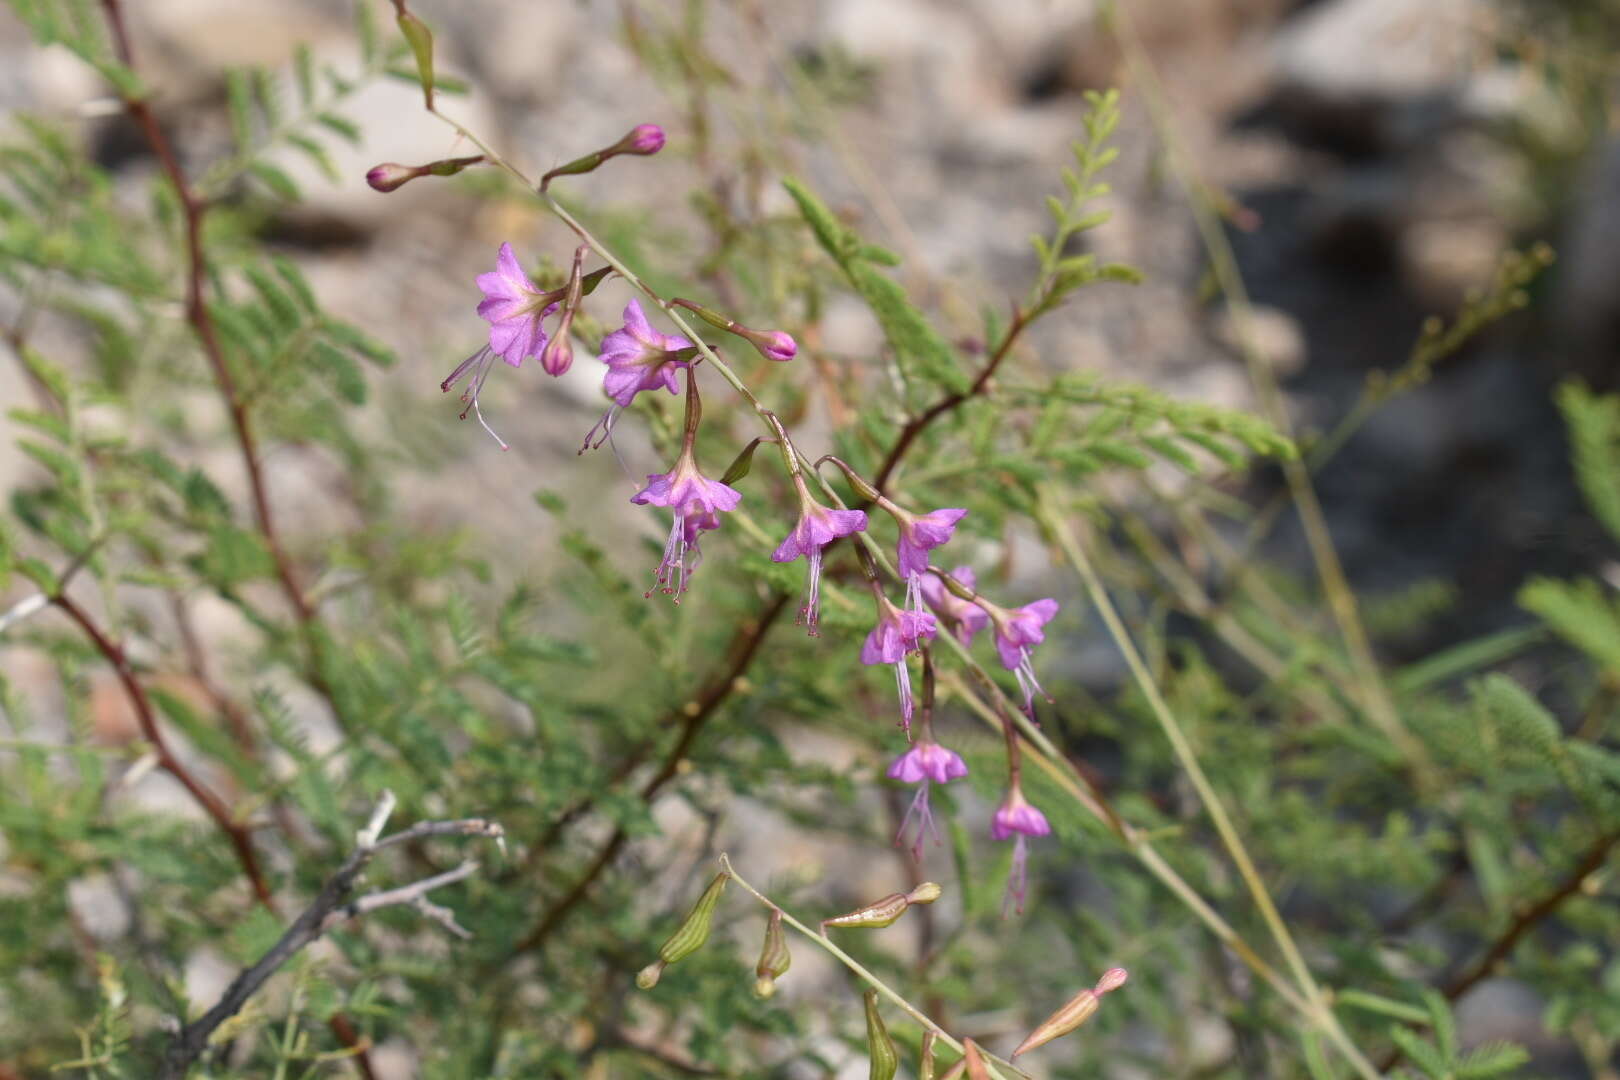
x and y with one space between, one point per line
810 611
902 677
602 430
480 364
1017 877
924 815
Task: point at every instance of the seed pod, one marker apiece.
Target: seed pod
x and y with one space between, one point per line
885 1058
973 1061
1076 1011
885 911
925 1068
773 957
693 932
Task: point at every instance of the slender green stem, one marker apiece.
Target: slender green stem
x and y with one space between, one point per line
865 975
1341 599
1049 517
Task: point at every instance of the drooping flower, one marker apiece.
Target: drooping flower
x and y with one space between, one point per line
817 527
1017 631
697 502
895 637
920 534
638 358
925 763
927 760
963 618
1018 818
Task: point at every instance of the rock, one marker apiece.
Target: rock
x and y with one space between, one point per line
1275 335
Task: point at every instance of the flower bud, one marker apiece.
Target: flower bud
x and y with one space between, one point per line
879 1045
390 176
885 911
1076 1011
643 139
693 932
926 893
773 957
772 344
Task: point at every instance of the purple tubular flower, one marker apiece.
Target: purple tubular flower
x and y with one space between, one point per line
697 502
1017 818
514 307
963 617
895 637
1018 631
927 760
817 527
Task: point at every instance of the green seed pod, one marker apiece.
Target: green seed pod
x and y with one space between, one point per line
1076 1011
885 1058
695 930
885 911
773 957
925 1068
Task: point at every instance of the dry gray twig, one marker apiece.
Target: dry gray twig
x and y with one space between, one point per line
331 908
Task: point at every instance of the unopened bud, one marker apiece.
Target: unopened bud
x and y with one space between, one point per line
390 176
693 932
885 911
879 1045
926 893
643 139
558 355
774 959
1076 1011
772 344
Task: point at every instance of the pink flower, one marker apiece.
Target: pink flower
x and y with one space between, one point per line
893 639
1016 817
927 760
697 502
920 534
640 358
514 307
1018 631
817 527
963 617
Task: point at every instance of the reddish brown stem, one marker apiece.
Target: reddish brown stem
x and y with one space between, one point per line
1526 920
192 210
236 833
919 423
693 716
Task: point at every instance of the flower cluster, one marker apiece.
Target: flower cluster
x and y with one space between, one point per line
637 358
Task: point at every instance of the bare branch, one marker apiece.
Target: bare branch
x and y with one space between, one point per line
329 909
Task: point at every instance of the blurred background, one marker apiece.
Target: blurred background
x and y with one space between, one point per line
1372 161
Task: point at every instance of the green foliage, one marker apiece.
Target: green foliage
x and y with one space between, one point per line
919 348
298 664
1594 438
